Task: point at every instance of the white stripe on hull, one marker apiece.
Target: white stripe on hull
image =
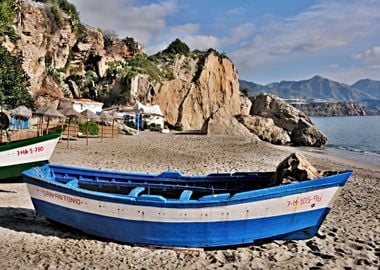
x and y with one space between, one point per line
29 153
290 204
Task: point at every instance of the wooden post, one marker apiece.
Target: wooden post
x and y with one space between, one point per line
87 132
113 121
101 137
47 125
68 134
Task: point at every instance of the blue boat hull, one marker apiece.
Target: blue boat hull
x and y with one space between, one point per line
294 211
197 234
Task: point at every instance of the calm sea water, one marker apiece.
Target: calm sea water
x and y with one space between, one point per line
354 137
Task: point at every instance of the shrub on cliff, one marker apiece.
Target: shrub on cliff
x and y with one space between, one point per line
13 81
177 47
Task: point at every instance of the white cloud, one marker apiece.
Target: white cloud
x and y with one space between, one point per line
126 17
352 75
324 26
185 29
236 11
202 42
333 66
372 54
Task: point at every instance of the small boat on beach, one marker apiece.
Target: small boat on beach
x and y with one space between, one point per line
174 210
17 156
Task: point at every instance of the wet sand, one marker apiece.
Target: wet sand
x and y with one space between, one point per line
348 239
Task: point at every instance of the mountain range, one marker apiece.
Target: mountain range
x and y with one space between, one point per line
317 88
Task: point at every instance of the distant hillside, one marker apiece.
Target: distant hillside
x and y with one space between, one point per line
371 87
314 88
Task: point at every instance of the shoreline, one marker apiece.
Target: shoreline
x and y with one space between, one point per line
323 153
33 242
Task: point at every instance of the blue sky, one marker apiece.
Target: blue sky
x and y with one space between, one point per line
267 40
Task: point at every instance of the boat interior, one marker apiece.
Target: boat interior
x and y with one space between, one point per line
168 184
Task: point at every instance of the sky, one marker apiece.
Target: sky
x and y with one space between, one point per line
268 40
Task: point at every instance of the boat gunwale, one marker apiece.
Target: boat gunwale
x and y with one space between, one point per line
6 146
243 197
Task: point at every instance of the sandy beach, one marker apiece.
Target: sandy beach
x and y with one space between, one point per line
348 239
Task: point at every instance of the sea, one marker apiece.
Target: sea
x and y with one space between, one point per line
352 137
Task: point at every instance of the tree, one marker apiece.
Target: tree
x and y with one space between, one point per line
13 81
8 13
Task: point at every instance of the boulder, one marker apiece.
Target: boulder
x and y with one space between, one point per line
265 129
294 168
74 89
283 114
245 105
296 123
224 123
305 134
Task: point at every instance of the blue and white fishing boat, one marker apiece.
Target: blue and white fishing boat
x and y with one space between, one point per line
170 209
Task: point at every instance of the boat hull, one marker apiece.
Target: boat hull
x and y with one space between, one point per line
295 211
18 156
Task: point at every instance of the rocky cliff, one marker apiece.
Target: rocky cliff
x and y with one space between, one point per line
200 85
64 58
55 47
195 89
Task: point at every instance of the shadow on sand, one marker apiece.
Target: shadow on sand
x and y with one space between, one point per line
25 220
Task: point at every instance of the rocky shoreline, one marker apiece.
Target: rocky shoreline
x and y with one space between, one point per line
349 237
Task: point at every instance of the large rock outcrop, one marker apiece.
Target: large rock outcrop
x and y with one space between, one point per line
52 47
91 64
223 123
265 129
283 114
286 119
200 87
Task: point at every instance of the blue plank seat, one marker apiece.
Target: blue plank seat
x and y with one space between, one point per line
185 195
136 191
215 197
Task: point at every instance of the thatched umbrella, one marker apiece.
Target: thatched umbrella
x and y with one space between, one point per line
115 116
21 112
89 115
69 112
104 117
52 113
49 113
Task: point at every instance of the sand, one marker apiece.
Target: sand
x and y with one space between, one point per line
349 238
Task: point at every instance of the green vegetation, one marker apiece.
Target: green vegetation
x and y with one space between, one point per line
91 127
155 127
132 44
8 14
57 6
13 82
109 37
177 47
244 92
141 64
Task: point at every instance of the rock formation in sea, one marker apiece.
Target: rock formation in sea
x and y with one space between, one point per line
333 109
275 121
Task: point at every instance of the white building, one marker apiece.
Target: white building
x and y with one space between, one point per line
81 105
152 113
